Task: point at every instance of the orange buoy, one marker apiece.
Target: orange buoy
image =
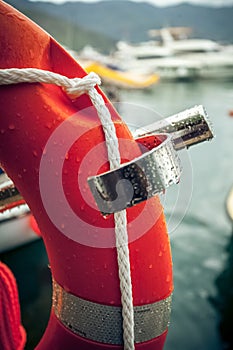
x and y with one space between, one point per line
36 120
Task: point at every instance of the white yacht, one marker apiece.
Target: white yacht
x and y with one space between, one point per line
176 56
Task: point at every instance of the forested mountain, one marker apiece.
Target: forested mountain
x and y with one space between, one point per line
102 23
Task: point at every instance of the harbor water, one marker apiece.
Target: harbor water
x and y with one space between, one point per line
199 229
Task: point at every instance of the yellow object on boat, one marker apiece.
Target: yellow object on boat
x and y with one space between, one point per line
120 78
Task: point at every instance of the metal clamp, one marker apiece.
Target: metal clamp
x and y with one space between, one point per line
155 170
12 204
187 128
8 192
137 180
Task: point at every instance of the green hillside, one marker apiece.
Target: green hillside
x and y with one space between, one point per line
65 32
102 23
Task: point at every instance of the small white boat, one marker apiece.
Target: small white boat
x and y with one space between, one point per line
168 68
216 65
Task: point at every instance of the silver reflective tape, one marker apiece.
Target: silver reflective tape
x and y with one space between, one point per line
103 323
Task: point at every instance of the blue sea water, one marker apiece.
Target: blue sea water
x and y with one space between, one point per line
199 240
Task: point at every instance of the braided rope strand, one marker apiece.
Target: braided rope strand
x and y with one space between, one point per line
125 279
120 224
75 87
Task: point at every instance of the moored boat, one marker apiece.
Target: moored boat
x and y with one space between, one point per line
179 57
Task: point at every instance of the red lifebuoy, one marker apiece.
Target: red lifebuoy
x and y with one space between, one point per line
83 275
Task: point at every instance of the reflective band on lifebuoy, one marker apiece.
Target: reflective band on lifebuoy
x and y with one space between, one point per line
103 323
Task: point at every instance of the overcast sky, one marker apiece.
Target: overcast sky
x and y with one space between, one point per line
164 2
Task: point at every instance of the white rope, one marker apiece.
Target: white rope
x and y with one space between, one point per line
75 87
120 224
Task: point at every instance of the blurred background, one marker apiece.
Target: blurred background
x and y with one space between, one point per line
161 56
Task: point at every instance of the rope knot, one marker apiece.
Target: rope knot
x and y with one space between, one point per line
79 86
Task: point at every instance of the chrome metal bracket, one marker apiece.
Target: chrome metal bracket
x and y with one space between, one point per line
138 180
155 170
187 128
